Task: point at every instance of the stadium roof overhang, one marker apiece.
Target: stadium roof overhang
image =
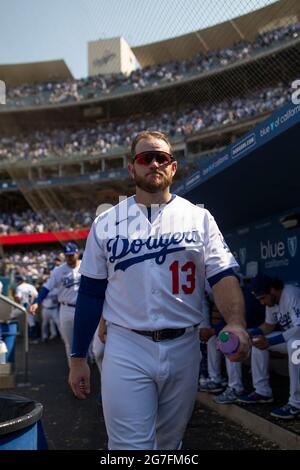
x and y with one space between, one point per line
256 177
35 72
245 27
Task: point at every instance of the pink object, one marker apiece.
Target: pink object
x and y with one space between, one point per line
228 343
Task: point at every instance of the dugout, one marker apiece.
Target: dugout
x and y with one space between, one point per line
254 183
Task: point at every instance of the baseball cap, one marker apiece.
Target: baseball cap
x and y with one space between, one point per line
71 249
261 285
19 277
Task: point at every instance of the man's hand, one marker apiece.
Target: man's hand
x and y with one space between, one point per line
260 342
205 334
245 343
32 308
79 377
102 330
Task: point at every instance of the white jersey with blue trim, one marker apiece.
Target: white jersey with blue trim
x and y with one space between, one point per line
66 280
27 293
51 301
287 313
156 271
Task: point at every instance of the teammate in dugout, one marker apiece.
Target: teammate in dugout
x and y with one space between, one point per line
144 267
282 303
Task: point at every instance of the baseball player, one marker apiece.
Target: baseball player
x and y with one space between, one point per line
25 294
50 315
282 308
66 279
255 314
144 266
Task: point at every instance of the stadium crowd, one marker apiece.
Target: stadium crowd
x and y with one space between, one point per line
62 91
29 221
34 265
102 138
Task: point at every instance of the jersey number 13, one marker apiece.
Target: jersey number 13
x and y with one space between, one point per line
190 282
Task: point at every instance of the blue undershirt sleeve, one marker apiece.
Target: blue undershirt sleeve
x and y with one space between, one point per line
255 331
227 272
276 339
88 312
42 295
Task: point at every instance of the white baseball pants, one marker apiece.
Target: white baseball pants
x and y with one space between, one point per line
148 388
214 361
98 350
49 318
66 321
260 370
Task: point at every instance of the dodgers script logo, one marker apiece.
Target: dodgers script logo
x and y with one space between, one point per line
163 245
292 246
69 282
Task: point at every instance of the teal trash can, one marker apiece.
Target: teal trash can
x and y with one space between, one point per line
20 424
8 333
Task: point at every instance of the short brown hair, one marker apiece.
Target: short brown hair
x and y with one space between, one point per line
146 135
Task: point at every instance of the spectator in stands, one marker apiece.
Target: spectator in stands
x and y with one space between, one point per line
61 91
97 140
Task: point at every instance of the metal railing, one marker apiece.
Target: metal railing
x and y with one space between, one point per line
10 310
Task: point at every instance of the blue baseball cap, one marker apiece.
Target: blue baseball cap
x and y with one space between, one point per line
19 277
261 285
71 249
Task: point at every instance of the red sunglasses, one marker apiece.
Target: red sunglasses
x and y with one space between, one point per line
145 158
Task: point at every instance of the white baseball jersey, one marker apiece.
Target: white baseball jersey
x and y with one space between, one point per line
287 313
156 271
66 280
51 301
1 287
26 293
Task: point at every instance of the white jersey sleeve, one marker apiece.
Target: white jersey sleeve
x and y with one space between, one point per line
34 292
295 311
18 292
217 254
94 263
289 307
271 315
53 280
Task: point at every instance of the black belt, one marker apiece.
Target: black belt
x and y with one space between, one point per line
160 335
68 305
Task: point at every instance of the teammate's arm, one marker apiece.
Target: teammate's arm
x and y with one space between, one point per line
51 283
88 311
41 296
262 330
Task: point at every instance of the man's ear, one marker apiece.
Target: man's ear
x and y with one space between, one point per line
174 168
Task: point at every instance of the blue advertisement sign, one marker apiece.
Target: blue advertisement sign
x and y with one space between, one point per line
268 247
